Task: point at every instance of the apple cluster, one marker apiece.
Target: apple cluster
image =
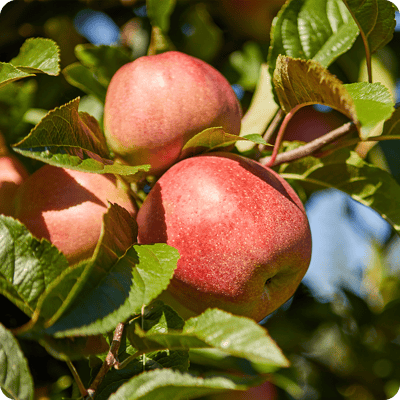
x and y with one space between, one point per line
240 228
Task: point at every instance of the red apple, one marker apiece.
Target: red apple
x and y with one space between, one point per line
12 174
241 231
265 391
250 18
66 207
155 104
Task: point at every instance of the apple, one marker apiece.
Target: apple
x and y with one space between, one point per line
308 123
156 103
250 18
12 174
241 231
66 207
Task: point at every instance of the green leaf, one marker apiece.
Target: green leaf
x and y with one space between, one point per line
236 336
373 103
131 283
214 138
9 73
38 55
156 317
160 12
104 61
81 77
306 82
376 21
27 265
119 231
346 171
71 139
15 376
312 29
391 126
165 384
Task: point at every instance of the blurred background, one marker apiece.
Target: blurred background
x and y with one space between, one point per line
341 331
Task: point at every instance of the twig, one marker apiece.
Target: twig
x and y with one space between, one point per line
81 386
111 360
309 148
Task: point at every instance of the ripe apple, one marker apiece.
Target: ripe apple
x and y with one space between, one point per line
241 231
156 103
12 174
66 207
250 18
308 123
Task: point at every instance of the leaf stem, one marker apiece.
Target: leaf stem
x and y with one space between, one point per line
309 148
111 360
81 386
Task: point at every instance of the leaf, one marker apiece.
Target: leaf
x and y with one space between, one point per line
27 265
133 282
104 61
391 126
159 13
38 55
9 73
156 317
214 138
373 103
312 29
119 231
346 171
166 384
299 81
236 336
81 77
15 376
376 21
68 138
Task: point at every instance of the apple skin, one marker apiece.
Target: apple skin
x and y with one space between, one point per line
250 18
241 231
12 174
308 124
265 391
66 207
156 103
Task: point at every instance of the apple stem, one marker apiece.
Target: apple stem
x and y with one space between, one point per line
111 360
308 148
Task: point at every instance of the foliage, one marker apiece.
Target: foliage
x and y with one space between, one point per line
346 347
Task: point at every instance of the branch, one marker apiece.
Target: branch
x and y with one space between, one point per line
309 148
111 359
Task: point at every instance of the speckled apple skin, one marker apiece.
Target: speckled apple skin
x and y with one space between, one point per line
240 228
12 174
66 207
155 104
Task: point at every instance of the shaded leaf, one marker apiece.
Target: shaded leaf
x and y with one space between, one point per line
346 171
391 127
15 376
81 77
27 265
376 21
38 55
133 282
312 29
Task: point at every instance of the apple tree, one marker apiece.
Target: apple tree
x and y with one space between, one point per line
97 301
